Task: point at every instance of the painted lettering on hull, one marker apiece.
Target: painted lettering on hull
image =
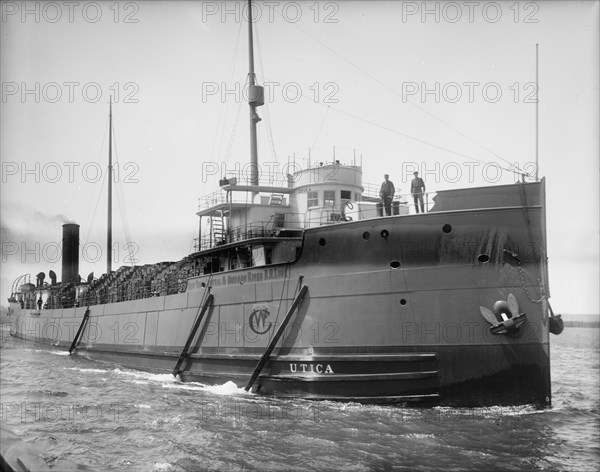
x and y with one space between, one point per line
252 276
311 368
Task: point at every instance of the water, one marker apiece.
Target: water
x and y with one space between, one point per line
111 418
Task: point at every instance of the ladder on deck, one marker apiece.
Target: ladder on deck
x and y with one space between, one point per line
267 354
184 354
217 228
76 339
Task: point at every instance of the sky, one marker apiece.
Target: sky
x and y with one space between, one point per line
446 88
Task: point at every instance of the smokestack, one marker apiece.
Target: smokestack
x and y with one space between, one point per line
70 253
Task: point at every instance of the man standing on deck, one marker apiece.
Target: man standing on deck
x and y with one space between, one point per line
387 193
417 188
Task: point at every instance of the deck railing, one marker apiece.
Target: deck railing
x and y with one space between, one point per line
256 229
401 204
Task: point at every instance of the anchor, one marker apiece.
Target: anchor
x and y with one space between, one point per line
505 317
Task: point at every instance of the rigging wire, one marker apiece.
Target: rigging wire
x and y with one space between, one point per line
224 111
233 133
321 127
88 222
86 239
219 136
89 205
387 87
268 121
91 215
122 207
427 143
420 140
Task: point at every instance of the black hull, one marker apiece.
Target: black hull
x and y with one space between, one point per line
395 309
406 376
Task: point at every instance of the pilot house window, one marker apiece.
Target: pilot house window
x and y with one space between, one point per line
313 199
329 198
346 195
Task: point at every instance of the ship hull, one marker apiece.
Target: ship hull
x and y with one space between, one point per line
408 376
393 313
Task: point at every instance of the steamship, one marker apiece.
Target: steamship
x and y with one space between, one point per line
306 288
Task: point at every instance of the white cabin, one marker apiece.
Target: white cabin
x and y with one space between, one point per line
328 193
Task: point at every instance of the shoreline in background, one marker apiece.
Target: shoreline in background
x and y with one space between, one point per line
581 321
571 321
581 324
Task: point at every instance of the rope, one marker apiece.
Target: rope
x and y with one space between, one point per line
321 127
232 134
91 195
95 211
123 208
268 122
90 216
419 140
390 89
223 114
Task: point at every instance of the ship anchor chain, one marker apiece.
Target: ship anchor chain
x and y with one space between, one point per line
522 275
555 321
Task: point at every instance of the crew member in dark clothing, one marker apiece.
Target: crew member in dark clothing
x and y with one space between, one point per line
387 193
417 188
39 303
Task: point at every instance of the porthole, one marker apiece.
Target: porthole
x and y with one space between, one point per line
322 242
366 235
395 264
402 301
385 233
446 228
483 258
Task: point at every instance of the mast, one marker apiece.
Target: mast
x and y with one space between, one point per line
109 225
255 99
537 102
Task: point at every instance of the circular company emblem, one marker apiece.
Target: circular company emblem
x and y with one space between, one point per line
258 320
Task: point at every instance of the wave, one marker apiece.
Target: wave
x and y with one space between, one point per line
228 388
79 369
53 352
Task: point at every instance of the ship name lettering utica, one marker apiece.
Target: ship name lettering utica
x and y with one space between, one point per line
314 368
